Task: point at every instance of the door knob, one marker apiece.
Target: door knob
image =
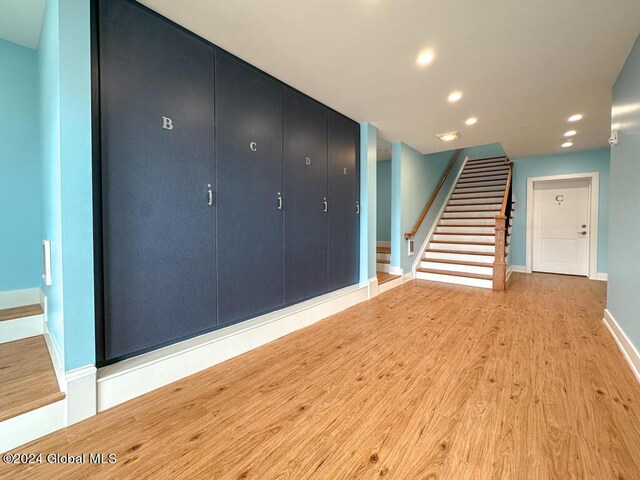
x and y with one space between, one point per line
584 232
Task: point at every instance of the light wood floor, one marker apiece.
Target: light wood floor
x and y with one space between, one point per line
385 277
18 312
427 381
27 378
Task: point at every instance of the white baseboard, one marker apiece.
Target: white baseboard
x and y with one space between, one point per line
136 376
509 272
519 268
81 394
603 277
626 347
19 298
407 277
396 271
57 358
19 328
373 287
24 428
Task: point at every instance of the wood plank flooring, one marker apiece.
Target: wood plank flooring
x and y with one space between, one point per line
427 381
385 277
27 378
19 312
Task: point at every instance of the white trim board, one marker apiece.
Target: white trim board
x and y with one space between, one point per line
136 376
57 358
627 348
19 328
407 277
37 423
519 269
81 394
19 298
418 259
594 192
386 286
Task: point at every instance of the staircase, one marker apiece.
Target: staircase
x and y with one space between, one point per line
462 247
383 257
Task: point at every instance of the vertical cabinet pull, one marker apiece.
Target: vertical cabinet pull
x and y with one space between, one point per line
357 208
326 205
209 195
279 201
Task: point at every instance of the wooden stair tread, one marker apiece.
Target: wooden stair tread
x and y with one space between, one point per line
27 377
384 261
458 187
493 166
486 180
479 191
455 242
385 277
486 159
19 312
485 217
460 252
479 276
473 198
385 250
457 262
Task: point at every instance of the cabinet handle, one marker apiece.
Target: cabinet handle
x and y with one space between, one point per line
209 196
279 201
326 205
357 208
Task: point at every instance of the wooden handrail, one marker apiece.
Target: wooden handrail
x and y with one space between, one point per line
426 208
507 188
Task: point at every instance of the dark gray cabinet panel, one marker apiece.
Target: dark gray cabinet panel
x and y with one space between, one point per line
344 193
305 193
157 154
249 184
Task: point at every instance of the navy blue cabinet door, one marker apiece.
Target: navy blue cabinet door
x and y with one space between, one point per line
344 193
305 192
249 191
157 155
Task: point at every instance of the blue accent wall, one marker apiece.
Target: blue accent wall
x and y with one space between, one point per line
383 201
64 63
623 301
419 175
20 240
559 164
489 150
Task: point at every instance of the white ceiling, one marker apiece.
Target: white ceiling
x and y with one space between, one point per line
524 65
21 21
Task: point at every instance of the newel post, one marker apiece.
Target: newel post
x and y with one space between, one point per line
499 263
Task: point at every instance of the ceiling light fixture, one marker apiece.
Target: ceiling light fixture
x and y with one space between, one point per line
425 58
449 136
454 96
471 121
570 133
575 118
567 144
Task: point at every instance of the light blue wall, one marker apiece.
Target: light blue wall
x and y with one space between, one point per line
560 164
368 207
383 201
20 240
419 175
489 150
65 111
623 300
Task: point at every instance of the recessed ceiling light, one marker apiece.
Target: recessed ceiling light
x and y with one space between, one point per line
471 121
449 136
575 118
455 96
425 58
570 133
567 144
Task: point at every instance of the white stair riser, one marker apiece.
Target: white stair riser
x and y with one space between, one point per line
466 181
470 222
485 215
383 267
471 282
474 185
452 208
463 247
471 229
454 267
462 201
19 328
383 256
461 238
497 161
479 188
461 257
484 172
488 166
485 194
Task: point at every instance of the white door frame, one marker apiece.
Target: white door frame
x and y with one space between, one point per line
594 191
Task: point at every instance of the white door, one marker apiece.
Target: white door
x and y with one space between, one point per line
561 229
